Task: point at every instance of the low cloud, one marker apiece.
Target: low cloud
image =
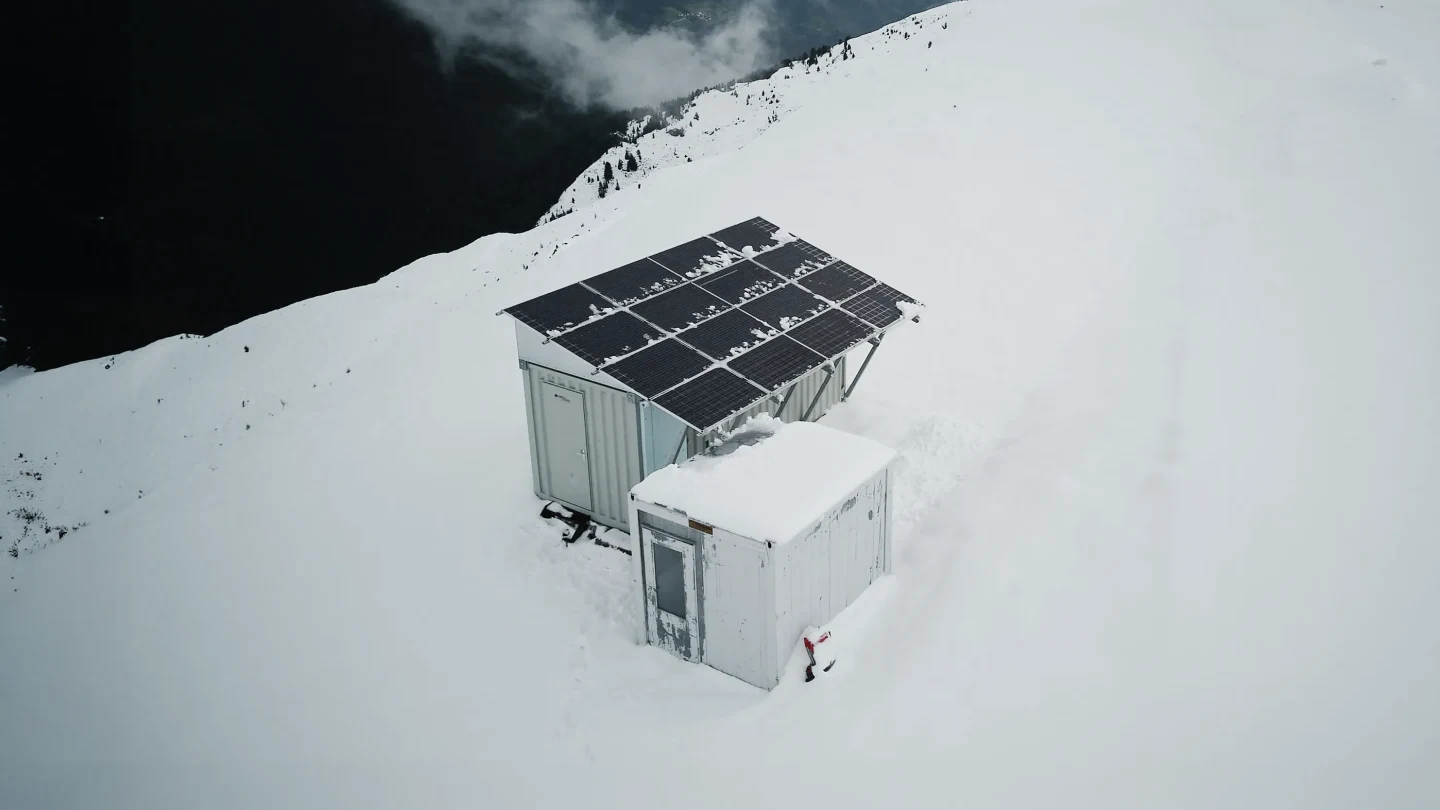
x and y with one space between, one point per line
589 56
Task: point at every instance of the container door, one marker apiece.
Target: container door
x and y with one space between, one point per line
562 411
672 604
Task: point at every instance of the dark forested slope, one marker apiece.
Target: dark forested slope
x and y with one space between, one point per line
183 166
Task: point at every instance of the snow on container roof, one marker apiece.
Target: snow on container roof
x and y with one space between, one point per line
774 482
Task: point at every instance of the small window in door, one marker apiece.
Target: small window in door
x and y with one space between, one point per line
669 580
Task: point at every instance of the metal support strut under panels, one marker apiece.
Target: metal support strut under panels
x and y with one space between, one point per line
684 437
786 401
874 347
829 372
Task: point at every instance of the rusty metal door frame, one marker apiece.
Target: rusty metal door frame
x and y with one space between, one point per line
666 628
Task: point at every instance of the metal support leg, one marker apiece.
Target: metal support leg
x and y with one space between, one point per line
874 347
829 372
786 400
684 437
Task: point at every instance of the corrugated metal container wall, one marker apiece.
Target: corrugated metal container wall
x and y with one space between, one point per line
822 572
809 384
737 607
736 596
756 600
613 443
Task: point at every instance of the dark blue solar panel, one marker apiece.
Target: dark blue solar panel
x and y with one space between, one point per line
741 282
723 335
877 305
633 282
755 233
774 363
795 259
710 399
560 309
831 333
682 307
837 282
659 367
703 302
696 257
610 337
785 307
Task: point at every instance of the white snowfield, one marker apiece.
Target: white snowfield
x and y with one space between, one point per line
1167 507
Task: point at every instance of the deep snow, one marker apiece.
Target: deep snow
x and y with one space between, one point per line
1166 510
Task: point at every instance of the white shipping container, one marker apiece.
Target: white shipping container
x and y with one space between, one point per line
738 552
592 439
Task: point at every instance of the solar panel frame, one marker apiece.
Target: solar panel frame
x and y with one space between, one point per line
877 305
681 307
837 281
794 259
776 363
634 282
612 336
710 398
832 333
785 306
698 257
561 309
726 334
740 282
658 367
757 233
684 327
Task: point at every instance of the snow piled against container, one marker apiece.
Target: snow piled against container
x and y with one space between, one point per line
770 480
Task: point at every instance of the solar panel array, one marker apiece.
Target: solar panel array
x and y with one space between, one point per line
708 328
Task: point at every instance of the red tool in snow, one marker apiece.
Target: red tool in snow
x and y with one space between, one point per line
822 658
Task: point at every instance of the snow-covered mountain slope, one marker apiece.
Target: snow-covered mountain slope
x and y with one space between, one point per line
1165 518
724 121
